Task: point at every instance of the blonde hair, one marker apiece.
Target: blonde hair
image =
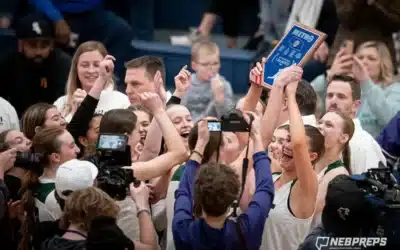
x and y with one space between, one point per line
204 46
82 206
386 64
73 82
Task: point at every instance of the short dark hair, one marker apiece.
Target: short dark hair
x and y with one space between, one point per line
355 87
217 187
118 121
306 98
151 64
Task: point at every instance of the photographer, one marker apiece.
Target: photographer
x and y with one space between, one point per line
214 191
346 213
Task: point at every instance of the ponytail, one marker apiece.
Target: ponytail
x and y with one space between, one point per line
29 184
347 157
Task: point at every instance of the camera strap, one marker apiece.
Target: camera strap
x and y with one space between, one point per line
245 166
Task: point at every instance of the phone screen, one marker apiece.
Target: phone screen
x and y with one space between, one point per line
214 126
112 142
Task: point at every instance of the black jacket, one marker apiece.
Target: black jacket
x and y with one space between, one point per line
25 83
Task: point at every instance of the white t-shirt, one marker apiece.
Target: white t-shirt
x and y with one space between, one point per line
109 99
8 116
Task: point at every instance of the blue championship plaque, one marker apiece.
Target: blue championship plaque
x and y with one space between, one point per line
296 47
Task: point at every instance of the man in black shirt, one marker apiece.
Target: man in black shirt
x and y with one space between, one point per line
37 72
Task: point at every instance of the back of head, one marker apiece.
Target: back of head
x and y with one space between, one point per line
118 121
151 64
346 209
46 142
105 234
306 98
217 186
82 206
33 117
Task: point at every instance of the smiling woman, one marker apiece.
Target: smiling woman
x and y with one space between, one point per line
84 72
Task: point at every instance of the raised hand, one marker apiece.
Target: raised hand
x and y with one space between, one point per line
159 87
203 133
77 98
107 67
255 124
140 195
360 72
342 64
152 102
218 88
288 75
256 72
182 82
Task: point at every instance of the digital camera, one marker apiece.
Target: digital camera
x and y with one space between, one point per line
114 156
233 121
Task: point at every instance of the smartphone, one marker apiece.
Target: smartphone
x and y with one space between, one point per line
112 142
348 45
214 126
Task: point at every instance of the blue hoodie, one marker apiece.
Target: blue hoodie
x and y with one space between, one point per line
191 234
53 9
389 140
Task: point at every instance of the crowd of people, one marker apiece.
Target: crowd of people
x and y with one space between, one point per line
86 166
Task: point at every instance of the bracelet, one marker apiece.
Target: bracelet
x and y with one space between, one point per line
198 153
143 210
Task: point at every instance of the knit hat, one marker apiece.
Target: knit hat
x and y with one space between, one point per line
74 175
105 234
346 209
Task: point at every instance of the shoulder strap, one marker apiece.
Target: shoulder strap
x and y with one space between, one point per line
240 234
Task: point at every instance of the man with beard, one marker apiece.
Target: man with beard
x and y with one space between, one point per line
343 95
37 72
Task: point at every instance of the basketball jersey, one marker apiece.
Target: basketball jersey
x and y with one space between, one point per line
283 230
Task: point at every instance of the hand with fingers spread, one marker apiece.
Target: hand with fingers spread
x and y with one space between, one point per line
360 72
256 72
77 98
288 75
107 67
342 64
152 102
182 82
159 87
7 160
140 194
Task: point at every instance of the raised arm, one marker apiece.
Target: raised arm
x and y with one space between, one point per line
275 103
154 142
183 210
47 8
253 220
79 123
307 178
176 149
